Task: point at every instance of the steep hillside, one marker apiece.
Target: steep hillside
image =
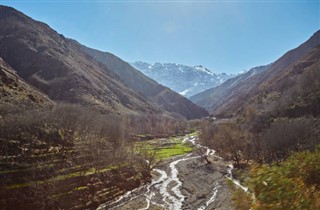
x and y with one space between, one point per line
282 84
14 90
158 94
60 68
215 97
186 80
65 72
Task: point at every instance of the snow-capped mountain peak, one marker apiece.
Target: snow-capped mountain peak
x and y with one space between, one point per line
186 80
203 69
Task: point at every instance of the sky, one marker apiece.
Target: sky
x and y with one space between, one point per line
224 36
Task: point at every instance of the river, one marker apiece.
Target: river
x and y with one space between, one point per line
183 182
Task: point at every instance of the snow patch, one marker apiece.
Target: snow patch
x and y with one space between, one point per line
185 91
203 69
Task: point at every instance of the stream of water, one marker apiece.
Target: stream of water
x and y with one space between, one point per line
165 192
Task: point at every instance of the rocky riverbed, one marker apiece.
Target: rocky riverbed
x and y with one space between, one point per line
204 185
182 182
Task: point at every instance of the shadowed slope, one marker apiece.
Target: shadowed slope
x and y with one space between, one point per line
280 82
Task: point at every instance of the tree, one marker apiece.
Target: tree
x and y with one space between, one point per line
228 139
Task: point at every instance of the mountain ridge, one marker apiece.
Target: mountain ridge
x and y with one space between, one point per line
216 96
278 79
185 80
155 92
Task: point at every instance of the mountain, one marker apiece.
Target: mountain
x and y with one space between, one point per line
217 96
162 96
63 70
14 90
183 79
289 86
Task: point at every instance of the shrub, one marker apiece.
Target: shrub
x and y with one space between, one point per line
294 184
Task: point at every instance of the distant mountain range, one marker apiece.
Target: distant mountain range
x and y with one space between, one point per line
186 80
67 71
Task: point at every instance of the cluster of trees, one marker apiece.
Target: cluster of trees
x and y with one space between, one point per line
27 130
227 139
242 142
156 125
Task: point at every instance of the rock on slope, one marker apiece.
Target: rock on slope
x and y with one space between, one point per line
183 79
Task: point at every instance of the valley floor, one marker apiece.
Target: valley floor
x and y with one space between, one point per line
182 182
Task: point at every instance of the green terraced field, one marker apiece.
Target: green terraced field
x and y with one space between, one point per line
164 148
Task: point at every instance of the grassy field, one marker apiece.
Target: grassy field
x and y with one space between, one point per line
164 148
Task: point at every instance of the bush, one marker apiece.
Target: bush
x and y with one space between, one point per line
294 184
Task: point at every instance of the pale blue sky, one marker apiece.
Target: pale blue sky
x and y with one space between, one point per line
223 36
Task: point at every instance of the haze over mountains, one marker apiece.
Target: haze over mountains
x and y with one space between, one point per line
186 80
68 71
